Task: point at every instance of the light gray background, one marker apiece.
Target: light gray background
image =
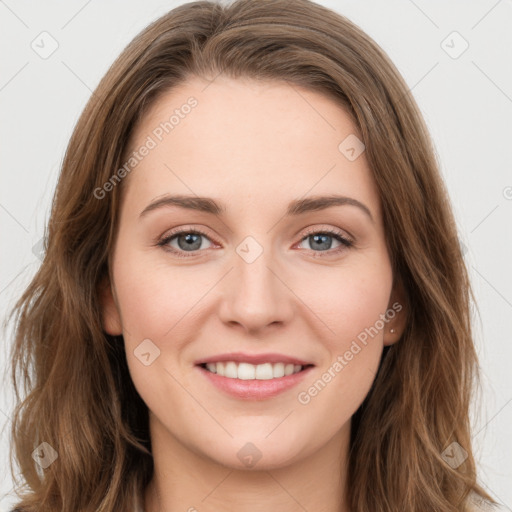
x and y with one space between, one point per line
466 101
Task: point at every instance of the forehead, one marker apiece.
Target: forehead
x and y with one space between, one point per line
247 139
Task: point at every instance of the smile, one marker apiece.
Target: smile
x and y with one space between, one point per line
247 371
245 381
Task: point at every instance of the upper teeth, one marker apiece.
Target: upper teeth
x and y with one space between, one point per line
246 371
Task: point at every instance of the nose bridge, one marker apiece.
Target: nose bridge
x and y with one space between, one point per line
256 296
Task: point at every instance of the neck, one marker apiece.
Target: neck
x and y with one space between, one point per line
184 480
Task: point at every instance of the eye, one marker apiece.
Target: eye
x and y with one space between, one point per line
322 240
184 240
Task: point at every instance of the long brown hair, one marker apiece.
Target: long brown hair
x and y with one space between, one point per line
78 394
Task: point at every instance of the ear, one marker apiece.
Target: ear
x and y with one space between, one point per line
396 313
110 317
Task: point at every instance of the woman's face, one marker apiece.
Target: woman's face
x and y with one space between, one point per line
277 277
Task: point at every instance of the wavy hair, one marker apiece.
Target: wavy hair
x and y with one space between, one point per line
71 380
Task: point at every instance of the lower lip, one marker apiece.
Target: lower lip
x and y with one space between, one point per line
255 389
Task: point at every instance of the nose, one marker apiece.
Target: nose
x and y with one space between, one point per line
256 296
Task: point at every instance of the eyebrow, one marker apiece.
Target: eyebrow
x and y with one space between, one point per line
295 207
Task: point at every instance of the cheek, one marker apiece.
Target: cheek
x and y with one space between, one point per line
158 305
349 300
155 299
352 306
354 352
357 309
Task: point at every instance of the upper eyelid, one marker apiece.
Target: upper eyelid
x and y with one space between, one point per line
331 230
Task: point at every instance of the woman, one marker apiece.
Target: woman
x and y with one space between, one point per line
197 341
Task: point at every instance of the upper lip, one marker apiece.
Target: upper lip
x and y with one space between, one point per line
240 357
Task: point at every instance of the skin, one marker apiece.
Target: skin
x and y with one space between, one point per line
254 146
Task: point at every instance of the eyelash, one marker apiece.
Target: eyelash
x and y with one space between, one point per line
338 235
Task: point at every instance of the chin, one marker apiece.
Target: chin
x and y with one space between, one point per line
255 453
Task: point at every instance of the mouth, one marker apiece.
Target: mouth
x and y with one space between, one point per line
248 371
264 377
